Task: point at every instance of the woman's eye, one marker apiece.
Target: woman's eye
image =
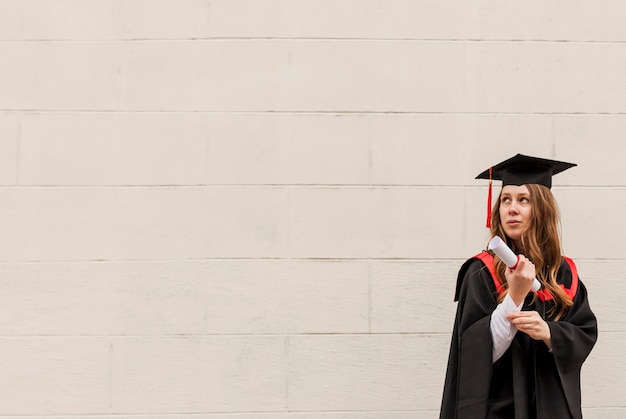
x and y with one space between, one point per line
506 199
524 200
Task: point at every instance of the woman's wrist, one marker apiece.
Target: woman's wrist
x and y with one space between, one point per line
548 338
517 297
548 343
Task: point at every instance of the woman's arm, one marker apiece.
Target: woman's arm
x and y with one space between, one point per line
502 331
501 327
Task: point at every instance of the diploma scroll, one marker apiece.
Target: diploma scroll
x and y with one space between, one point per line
509 258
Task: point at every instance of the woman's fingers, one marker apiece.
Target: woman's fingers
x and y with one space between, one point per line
524 317
530 323
526 267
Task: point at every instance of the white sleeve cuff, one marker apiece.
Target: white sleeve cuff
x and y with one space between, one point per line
509 305
502 332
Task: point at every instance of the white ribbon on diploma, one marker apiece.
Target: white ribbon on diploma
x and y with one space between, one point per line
509 258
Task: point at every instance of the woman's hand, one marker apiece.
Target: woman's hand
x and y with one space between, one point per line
531 323
521 279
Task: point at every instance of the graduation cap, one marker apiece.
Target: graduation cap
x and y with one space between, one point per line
522 170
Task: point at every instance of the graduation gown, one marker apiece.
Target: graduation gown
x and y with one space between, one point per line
528 381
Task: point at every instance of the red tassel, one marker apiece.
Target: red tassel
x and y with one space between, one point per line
489 199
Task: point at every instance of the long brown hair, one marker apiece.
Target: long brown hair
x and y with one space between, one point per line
541 243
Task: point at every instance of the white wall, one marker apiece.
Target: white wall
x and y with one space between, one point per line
256 208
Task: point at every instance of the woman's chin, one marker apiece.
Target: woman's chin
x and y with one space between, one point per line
515 236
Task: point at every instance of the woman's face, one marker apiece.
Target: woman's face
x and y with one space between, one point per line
515 211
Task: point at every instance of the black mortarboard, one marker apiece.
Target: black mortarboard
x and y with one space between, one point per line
522 170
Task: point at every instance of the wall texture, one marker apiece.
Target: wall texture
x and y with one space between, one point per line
242 209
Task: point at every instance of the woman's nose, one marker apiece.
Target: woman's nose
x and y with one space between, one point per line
513 208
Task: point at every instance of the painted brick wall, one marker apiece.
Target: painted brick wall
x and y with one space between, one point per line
238 209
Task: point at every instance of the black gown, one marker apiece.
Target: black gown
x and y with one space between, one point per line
528 381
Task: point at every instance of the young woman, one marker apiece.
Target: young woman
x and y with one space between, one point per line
515 353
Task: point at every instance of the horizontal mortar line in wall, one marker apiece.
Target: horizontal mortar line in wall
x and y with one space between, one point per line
350 411
206 414
288 186
599 407
201 336
234 259
311 38
262 413
368 412
297 112
187 336
264 259
213 335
